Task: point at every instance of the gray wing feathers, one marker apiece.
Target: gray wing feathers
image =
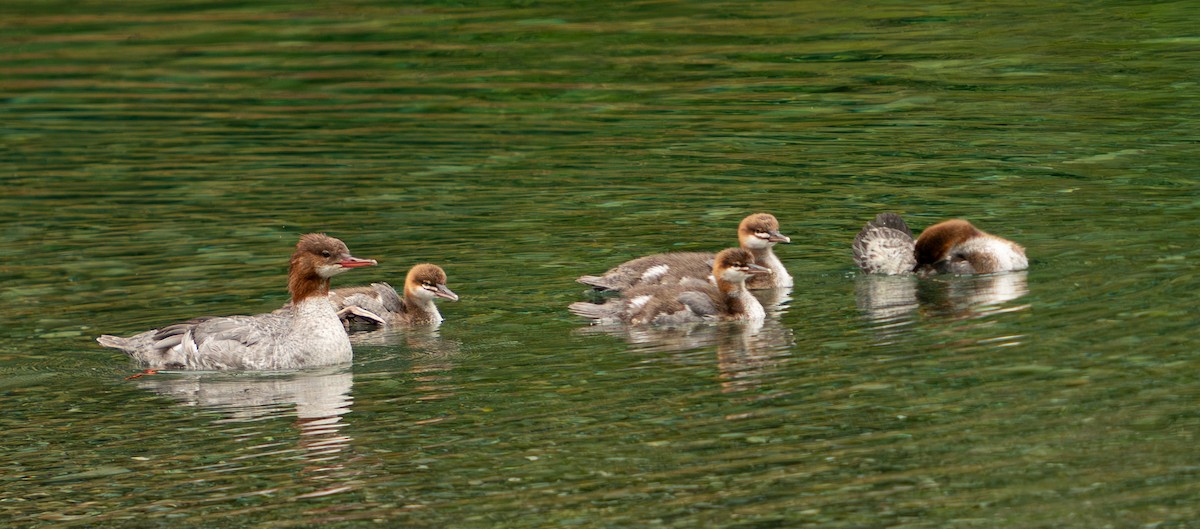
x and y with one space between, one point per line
600 313
212 343
598 283
367 306
353 315
689 306
699 303
893 221
885 246
243 331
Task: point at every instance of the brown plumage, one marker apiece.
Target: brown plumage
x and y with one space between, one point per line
937 240
314 251
757 233
689 300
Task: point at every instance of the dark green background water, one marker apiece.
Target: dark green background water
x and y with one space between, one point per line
159 160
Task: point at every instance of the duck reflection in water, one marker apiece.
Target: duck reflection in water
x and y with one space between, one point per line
317 400
430 358
425 338
774 300
890 303
746 352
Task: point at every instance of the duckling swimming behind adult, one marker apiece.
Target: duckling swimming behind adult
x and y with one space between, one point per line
380 304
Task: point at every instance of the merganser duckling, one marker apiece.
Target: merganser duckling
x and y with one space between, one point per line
690 300
757 233
307 333
886 246
380 304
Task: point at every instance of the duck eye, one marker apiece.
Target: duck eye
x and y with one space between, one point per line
326 253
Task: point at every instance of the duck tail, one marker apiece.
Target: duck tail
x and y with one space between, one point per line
885 246
593 311
113 342
597 283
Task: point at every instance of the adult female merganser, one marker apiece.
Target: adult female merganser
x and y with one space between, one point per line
307 333
757 233
380 304
886 246
689 300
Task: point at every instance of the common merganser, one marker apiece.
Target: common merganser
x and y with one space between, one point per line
886 246
307 333
689 300
757 233
380 304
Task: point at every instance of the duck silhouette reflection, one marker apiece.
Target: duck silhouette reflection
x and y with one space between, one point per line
891 303
316 400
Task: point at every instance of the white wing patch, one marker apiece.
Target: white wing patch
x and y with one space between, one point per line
655 272
639 302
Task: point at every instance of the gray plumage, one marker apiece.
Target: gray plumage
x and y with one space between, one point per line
375 302
885 246
261 342
305 333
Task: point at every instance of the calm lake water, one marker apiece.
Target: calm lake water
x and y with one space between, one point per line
158 161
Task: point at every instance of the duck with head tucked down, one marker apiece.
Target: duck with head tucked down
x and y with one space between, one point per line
886 246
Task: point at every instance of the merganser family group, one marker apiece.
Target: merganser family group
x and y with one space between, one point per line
660 289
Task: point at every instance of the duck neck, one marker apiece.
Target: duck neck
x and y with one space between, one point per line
766 257
779 276
726 287
739 302
420 309
305 287
760 252
733 294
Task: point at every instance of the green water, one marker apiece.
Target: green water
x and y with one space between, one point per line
159 160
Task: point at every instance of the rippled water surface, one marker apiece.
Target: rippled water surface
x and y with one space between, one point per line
159 160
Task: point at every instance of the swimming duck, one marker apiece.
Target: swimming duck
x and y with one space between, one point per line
689 300
380 304
757 233
886 246
307 333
